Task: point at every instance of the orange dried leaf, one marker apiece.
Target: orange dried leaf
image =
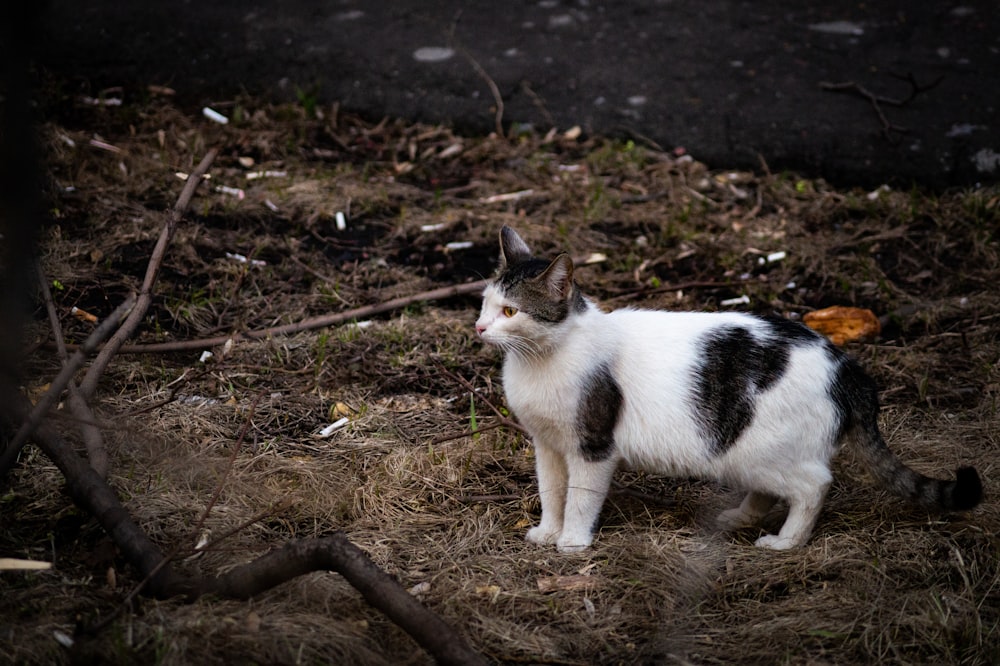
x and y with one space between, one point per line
844 324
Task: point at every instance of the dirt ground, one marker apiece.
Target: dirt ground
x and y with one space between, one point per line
417 475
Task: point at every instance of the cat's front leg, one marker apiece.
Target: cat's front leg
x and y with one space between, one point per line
550 467
589 483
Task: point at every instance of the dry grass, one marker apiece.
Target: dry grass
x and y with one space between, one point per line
878 582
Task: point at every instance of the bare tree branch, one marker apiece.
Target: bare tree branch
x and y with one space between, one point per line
97 454
335 553
34 415
313 322
100 364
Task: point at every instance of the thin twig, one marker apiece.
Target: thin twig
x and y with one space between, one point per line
696 284
877 101
48 399
232 461
494 90
89 384
92 438
311 323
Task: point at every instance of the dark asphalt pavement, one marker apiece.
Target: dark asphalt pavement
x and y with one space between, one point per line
732 82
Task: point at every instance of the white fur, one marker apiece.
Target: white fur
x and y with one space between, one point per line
784 453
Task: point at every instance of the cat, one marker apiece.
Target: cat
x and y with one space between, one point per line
760 403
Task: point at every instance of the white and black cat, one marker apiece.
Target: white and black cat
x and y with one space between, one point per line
759 403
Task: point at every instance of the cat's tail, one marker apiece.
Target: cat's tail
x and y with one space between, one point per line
965 492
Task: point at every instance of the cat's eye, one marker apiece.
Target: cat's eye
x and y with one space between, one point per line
509 311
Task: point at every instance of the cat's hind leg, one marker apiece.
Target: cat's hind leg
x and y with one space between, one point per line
803 509
753 507
550 467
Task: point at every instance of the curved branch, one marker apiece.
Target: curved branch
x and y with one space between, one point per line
336 553
378 588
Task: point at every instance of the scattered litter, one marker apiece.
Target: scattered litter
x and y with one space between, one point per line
365 323
571 168
271 206
200 545
433 227
68 141
595 258
963 129
771 258
253 175
844 324
231 191
838 28
573 133
205 355
588 605
101 101
166 91
14 564
63 638
341 220
740 300
333 427
256 263
83 315
246 161
184 176
877 192
420 588
433 54
450 151
214 116
458 245
103 145
509 196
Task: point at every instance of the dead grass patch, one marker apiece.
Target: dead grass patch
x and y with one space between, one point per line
877 583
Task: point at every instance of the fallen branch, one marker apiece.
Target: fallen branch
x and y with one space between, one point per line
379 589
160 579
89 384
311 323
97 454
34 415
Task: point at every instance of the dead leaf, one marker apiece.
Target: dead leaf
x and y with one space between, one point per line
844 324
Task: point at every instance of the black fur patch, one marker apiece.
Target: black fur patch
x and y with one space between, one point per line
533 297
598 415
736 367
853 393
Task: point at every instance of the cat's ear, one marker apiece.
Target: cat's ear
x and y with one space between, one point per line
513 250
558 277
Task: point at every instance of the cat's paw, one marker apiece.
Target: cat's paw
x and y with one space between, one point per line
775 542
734 519
542 535
574 543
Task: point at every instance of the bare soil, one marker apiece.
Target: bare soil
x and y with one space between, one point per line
417 476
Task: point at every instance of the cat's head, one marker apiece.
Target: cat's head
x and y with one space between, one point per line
527 304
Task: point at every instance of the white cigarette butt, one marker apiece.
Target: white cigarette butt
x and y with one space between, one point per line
214 116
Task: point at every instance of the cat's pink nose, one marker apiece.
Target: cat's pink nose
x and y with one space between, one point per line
480 329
